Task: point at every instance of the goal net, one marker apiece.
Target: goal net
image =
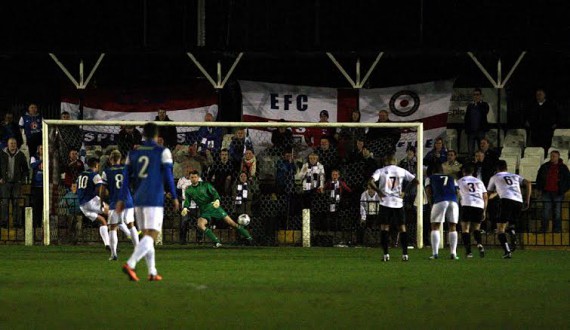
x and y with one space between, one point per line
276 172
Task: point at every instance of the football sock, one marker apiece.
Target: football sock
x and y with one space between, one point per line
384 237
466 238
243 232
477 234
134 235
140 250
104 232
113 240
124 229
150 263
453 242
208 232
434 241
503 240
404 242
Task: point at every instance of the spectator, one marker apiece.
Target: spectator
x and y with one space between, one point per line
410 163
552 182
350 135
338 201
129 138
10 129
210 138
356 154
68 137
240 143
484 169
282 139
72 169
242 194
31 126
437 155
196 161
382 141
491 155
167 133
37 188
338 188
452 166
14 171
313 135
69 205
313 177
249 165
285 173
541 120
327 155
221 173
476 121
369 213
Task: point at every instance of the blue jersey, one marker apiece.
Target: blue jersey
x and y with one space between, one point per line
31 124
88 183
443 188
113 178
149 167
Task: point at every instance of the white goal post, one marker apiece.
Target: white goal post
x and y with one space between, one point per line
49 124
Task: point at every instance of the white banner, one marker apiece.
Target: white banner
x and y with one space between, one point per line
272 102
426 102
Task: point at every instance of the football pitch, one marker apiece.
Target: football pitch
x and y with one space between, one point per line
76 287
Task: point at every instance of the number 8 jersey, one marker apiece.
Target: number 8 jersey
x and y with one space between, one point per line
391 184
507 185
113 178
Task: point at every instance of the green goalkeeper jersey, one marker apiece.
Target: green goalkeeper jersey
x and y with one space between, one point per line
203 194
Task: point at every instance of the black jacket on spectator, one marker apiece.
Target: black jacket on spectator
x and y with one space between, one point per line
21 169
563 177
541 119
11 130
168 133
486 169
127 141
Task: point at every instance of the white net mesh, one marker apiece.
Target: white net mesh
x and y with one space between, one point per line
269 173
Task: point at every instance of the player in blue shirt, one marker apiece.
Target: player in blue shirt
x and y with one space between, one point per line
149 168
31 125
89 184
120 212
441 190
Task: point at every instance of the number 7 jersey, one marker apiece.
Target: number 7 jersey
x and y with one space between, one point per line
507 185
391 181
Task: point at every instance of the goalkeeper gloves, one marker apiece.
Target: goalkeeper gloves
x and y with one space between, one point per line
216 203
184 212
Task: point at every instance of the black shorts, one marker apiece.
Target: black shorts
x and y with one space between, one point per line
372 220
510 211
471 214
392 216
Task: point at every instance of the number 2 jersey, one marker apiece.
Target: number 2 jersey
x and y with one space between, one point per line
471 190
391 181
113 178
149 168
507 185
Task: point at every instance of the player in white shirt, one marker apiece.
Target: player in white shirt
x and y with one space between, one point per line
369 212
474 200
508 187
390 188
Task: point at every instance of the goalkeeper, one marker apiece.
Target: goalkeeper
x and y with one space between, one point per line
208 200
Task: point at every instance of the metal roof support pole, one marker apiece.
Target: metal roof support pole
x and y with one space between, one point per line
221 81
81 84
358 83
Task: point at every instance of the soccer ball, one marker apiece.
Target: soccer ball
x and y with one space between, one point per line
244 219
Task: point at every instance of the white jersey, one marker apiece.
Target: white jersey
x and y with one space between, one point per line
507 185
391 184
471 191
369 205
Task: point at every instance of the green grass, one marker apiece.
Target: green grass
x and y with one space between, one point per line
62 287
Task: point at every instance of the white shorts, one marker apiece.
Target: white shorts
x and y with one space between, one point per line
149 217
127 216
445 211
92 208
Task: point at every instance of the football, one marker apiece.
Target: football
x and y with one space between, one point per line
244 219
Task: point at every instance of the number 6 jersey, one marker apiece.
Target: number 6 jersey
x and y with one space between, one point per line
507 185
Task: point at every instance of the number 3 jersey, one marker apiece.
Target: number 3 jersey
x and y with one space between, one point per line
391 181
113 178
507 185
471 190
150 169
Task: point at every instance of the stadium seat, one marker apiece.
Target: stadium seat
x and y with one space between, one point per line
562 132
512 163
515 137
511 151
528 171
534 152
493 137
